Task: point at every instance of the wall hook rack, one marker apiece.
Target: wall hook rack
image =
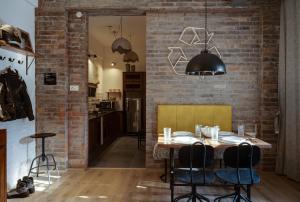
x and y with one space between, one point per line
28 65
20 62
2 57
11 59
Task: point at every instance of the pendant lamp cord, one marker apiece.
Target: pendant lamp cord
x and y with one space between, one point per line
121 26
205 33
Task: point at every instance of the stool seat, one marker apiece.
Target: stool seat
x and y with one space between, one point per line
42 135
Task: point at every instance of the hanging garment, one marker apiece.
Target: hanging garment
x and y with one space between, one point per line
11 35
14 99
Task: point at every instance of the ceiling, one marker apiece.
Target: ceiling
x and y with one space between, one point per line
134 29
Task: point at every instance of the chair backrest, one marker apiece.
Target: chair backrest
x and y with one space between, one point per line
244 155
196 155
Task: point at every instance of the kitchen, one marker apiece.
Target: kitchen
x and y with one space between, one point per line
116 88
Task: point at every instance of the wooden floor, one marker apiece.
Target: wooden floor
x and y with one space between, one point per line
143 185
122 153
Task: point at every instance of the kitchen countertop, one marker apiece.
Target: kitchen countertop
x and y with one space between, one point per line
93 115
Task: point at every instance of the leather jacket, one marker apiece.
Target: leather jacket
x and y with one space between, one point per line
14 99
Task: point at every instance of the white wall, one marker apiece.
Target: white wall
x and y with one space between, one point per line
20 148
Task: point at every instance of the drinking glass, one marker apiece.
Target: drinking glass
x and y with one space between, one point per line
241 129
215 133
167 133
198 130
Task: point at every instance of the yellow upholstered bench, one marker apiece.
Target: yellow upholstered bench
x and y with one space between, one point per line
185 117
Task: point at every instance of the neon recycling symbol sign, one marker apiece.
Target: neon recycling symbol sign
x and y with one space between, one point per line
190 36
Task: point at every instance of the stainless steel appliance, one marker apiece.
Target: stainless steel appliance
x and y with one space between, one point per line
133 115
106 105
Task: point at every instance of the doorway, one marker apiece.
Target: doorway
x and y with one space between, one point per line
115 78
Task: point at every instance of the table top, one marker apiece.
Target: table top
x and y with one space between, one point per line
42 135
173 143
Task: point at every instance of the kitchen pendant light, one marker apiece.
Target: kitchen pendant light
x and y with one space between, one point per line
205 63
121 45
131 56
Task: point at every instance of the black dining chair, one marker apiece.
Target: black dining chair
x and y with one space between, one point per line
239 172
192 171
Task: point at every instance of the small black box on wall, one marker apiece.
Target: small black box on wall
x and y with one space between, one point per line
49 78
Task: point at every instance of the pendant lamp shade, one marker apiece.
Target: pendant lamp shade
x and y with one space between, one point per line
131 56
121 45
206 64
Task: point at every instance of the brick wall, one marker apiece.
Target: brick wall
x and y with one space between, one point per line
246 37
51 56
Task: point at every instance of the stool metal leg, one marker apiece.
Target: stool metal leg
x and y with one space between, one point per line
47 163
30 169
55 165
38 168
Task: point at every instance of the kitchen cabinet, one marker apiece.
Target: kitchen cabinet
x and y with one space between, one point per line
134 87
103 130
2 165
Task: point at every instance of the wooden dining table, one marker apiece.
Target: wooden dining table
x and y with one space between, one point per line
172 144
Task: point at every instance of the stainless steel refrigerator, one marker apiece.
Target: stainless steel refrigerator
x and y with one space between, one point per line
133 115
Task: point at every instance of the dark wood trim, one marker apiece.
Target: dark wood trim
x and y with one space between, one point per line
3 165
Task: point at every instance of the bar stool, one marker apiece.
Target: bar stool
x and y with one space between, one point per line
43 156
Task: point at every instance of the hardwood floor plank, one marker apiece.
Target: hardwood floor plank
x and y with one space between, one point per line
144 185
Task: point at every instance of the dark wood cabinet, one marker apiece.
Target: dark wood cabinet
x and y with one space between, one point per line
134 86
103 130
2 165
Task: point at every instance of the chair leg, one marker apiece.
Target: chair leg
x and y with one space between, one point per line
238 194
249 192
225 196
200 197
189 196
47 164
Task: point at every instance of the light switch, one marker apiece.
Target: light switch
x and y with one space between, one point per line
74 88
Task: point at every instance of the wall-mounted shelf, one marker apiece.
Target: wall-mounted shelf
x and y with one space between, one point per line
20 51
17 50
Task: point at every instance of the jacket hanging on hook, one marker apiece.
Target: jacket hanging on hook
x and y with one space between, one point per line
14 99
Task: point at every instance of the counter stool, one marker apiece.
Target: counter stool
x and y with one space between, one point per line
43 156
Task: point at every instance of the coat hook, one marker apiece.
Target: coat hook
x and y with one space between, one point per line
20 62
11 59
2 57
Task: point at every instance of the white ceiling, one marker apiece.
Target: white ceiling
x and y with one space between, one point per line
132 25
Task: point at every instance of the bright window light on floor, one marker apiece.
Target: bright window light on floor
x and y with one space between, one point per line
40 188
141 187
82 196
42 182
102 197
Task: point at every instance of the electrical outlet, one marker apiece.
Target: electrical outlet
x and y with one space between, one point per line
74 88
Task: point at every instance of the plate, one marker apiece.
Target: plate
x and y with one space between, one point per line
182 133
225 133
232 139
185 139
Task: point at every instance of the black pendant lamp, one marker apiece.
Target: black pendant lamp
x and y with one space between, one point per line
121 45
205 63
